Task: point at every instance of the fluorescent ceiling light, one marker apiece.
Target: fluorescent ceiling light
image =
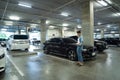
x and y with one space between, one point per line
65 28
33 25
112 31
3 29
47 22
97 29
65 14
99 23
102 2
25 5
79 26
23 30
65 24
51 27
108 26
14 18
116 14
109 1
9 23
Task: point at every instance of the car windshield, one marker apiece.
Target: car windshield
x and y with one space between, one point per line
20 36
69 40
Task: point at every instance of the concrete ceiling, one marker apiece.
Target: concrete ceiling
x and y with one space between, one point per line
51 10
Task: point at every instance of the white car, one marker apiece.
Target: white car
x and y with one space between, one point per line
2 59
18 42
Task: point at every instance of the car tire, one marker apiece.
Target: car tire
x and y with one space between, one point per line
26 49
72 55
2 72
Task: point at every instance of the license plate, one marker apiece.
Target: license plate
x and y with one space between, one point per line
93 54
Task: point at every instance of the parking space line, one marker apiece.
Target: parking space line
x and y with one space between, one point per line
14 77
17 68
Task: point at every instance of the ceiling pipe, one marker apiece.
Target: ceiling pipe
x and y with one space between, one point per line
5 10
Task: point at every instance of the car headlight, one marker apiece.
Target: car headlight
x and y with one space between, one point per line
93 54
2 56
84 49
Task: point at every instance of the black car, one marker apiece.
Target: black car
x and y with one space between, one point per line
100 45
111 41
67 47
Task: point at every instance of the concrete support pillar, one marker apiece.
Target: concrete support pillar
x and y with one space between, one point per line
43 29
27 30
102 33
61 31
75 29
88 23
19 30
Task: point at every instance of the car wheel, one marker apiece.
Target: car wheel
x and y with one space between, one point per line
46 50
3 71
26 49
72 55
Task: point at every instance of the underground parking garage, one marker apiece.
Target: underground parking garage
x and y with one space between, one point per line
39 39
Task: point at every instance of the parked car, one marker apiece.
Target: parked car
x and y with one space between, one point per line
100 45
67 47
35 41
18 42
2 58
111 41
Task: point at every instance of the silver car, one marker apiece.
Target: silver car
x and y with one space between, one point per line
2 59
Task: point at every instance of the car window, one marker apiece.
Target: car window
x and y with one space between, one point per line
20 36
69 40
57 40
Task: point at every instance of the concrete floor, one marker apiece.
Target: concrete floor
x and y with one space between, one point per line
47 67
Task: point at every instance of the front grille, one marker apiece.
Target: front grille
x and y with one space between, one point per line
2 56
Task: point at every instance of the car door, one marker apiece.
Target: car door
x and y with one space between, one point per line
58 45
53 46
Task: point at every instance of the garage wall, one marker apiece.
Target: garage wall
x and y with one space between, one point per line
69 33
50 33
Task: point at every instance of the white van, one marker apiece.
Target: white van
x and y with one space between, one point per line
18 42
2 59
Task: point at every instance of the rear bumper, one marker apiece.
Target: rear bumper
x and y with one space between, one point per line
19 46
